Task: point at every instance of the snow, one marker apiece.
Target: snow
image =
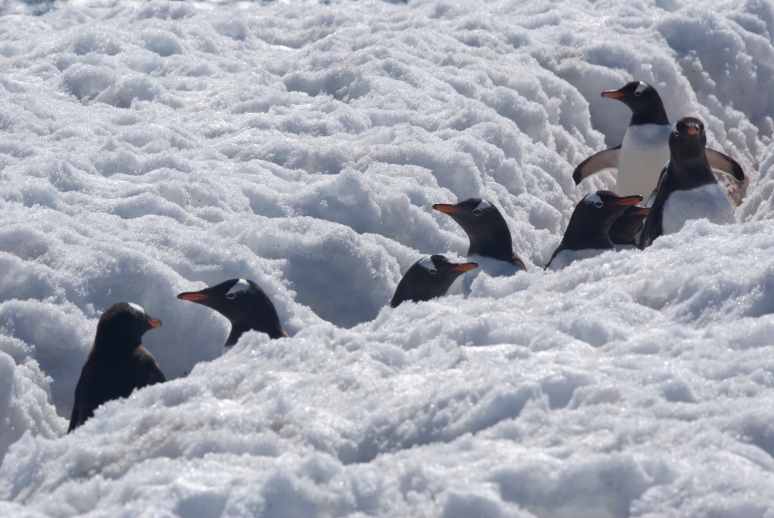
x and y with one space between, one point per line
151 148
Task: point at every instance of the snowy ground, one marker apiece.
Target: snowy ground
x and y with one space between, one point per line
152 148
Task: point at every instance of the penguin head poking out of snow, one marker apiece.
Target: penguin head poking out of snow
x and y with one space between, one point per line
643 100
121 326
486 228
117 363
587 232
244 303
428 278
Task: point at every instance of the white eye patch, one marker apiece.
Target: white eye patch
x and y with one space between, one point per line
137 307
483 205
427 263
240 286
640 88
593 198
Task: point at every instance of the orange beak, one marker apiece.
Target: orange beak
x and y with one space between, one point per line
464 267
446 208
193 297
612 94
154 322
693 130
641 212
629 200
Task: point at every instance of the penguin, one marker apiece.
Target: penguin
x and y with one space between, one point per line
587 232
428 278
244 304
491 246
117 363
626 227
688 189
645 146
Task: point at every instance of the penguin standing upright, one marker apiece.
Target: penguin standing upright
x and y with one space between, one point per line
117 363
688 189
491 246
645 146
244 304
588 231
428 278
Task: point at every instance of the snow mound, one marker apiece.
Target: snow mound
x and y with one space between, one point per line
147 149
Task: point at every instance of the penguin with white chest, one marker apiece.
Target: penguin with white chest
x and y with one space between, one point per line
645 146
687 189
588 232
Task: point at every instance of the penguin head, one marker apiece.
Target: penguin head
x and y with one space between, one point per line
243 303
428 278
485 226
687 139
642 99
594 215
122 326
625 227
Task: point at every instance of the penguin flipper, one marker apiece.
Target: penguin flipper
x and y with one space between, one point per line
75 419
607 159
651 229
724 163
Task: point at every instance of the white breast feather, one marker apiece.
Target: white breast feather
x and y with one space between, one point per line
707 201
644 150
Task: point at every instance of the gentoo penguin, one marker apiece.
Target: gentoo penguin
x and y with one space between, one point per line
645 146
490 239
625 228
244 303
587 232
117 363
428 278
687 189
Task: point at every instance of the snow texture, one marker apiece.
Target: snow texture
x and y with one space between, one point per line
152 148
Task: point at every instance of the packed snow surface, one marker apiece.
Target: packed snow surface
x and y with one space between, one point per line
147 149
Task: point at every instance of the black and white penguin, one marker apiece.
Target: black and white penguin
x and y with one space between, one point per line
491 245
244 303
117 363
645 146
626 227
687 189
588 231
428 278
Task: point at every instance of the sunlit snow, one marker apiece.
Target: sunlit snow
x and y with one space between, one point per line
153 148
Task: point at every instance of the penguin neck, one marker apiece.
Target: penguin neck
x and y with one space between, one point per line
580 236
115 344
653 115
494 241
271 327
691 172
500 249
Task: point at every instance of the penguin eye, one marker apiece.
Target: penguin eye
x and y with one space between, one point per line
598 204
477 212
432 271
230 295
637 94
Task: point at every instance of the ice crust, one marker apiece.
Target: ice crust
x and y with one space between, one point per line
147 149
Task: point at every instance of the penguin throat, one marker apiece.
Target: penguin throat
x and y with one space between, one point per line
270 327
651 114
